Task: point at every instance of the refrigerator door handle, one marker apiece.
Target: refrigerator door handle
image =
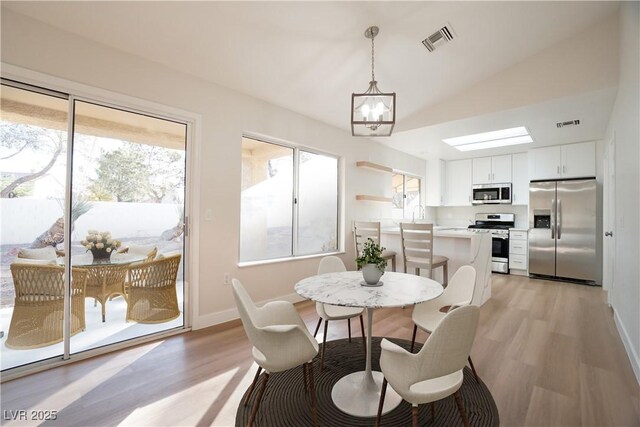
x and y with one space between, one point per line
559 225
553 218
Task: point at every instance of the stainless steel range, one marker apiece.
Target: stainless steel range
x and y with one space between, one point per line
498 225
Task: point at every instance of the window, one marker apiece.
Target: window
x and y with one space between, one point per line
289 202
406 196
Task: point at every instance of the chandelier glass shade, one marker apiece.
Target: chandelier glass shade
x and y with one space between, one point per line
373 113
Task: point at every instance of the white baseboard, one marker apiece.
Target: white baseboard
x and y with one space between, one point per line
219 317
631 352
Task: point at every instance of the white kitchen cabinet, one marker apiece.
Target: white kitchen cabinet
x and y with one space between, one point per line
458 183
563 161
435 186
579 160
489 170
518 250
520 181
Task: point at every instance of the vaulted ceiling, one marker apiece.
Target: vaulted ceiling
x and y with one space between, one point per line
310 56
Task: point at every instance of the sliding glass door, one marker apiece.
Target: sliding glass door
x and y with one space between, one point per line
120 176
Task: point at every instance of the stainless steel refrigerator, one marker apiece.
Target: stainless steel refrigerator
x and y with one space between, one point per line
562 229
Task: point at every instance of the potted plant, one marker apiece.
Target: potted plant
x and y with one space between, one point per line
371 262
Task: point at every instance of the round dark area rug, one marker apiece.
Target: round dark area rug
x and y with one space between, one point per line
285 402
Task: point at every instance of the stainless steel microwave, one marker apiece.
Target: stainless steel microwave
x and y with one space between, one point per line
484 194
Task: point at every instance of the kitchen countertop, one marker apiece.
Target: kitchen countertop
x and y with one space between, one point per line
455 232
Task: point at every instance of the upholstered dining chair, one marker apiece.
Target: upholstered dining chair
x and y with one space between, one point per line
327 312
151 290
417 250
149 251
436 371
363 230
37 318
280 342
459 293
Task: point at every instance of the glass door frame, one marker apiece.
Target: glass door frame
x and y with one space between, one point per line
71 91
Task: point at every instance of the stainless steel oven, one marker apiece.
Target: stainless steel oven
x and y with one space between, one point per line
484 194
498 225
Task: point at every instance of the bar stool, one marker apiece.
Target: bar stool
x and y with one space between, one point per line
417 250
363 230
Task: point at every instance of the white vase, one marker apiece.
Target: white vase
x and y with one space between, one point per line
371 274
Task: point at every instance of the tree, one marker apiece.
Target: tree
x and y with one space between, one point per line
138 172
121 174
18 138
55 234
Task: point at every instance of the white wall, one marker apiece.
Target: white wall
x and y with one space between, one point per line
24 219
625 293
226 114
462 216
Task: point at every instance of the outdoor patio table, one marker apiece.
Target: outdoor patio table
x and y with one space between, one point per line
358 393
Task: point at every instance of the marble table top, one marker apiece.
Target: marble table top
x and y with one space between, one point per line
344 289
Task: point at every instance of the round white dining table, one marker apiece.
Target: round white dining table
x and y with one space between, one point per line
358 393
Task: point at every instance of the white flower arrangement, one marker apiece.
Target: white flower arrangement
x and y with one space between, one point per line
100 240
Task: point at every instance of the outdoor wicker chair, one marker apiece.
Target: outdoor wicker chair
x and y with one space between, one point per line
37 318
152 295
105 281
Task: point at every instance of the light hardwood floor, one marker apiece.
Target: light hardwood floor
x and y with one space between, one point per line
548 351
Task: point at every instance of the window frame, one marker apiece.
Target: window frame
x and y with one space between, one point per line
295 202
406 175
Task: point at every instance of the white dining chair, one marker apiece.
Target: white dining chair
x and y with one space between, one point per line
327 312
364 230
436 371
280 342
417 250
459 293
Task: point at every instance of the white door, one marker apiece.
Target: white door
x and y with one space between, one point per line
501 169
609 220
459 183
482 170
544 163
579 160
520 179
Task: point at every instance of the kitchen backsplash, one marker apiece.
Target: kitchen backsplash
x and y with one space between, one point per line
462 216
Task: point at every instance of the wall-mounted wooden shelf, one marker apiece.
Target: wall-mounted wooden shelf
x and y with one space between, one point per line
374 166
373 198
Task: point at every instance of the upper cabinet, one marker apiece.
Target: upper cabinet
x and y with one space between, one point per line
458 183
489 170
520 182
564 161
435 182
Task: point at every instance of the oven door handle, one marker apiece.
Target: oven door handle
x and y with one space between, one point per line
501 237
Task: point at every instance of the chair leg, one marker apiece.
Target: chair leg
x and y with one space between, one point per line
383 393
393 263
104 310
317 327
258 399
413 337
364 338
252 386
473 369
304 377
463 414
349 327
445 274
414 416
324 344
314 404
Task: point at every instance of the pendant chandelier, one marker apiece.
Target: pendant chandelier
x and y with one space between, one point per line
373 113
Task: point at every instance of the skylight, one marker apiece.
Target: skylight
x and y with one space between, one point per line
493 139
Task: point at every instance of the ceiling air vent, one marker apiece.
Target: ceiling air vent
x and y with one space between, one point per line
569 123
437 39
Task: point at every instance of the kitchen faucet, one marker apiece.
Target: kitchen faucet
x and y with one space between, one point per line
421 213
